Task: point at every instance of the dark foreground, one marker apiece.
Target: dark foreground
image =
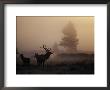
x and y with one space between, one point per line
56 69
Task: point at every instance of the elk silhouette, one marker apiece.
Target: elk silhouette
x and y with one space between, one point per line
43 57
26 61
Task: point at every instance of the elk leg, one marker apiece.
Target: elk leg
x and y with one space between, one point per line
43 64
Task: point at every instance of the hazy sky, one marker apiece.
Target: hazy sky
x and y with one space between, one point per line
33 32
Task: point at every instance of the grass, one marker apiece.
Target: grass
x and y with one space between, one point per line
56 69
68 64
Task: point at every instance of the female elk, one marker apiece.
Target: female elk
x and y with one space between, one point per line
26 61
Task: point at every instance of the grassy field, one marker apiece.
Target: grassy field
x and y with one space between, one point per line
68 64
56 69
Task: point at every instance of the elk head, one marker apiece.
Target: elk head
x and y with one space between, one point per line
48 50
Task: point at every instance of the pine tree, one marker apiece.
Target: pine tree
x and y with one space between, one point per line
69 41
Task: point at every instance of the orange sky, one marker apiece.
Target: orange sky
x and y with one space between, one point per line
32 32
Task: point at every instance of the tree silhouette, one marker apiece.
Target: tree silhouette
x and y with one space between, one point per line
69 41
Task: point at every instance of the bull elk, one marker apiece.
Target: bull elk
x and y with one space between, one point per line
43 57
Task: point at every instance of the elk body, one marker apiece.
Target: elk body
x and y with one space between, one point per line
43 57
26 61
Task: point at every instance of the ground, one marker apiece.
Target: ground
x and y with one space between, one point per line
70 64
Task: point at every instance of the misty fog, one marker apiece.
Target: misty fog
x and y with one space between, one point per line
33 32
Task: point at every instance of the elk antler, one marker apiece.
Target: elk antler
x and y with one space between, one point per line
46 49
